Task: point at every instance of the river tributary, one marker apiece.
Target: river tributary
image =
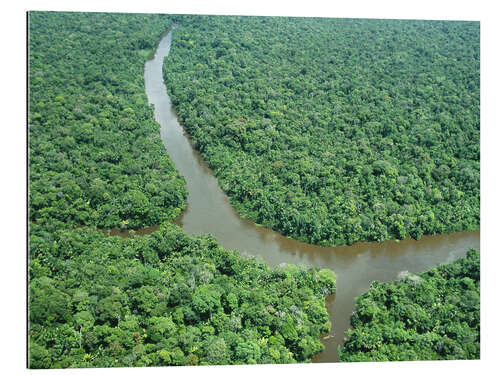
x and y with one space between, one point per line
209 211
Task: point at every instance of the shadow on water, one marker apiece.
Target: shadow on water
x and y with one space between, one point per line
209 211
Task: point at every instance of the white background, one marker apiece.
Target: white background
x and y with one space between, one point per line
14 175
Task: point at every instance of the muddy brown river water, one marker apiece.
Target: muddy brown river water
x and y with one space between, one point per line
209 211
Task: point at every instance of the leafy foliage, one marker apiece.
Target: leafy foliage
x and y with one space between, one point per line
431 316
95 156
333 131
166 299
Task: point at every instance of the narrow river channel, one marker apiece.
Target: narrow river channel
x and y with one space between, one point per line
209 211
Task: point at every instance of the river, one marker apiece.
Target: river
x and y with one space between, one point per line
209 211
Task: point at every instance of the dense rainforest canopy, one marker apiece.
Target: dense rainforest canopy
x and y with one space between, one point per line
96 159
166 299
434 315
95 153
335 130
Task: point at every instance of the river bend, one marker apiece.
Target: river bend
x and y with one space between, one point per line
209 211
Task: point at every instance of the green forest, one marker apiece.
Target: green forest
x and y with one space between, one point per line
166 299
333 131
434 315
95 153
329 131
96 161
